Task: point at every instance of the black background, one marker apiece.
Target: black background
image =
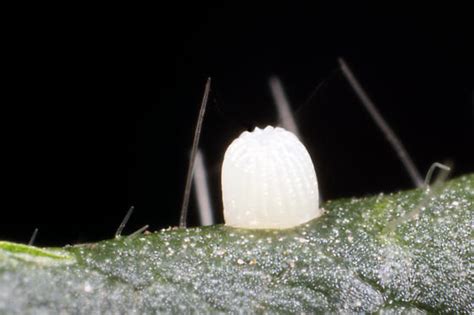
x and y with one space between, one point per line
100 104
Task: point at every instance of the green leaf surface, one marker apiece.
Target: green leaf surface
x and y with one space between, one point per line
408 252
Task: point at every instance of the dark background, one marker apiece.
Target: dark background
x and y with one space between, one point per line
100 104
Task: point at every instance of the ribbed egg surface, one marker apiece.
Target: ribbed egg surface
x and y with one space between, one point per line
268 181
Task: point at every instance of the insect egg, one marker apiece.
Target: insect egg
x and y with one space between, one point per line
268 181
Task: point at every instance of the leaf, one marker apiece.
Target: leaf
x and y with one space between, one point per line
403 252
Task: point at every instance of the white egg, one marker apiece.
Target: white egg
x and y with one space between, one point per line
268 181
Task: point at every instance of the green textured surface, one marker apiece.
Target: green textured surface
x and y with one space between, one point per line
351 259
